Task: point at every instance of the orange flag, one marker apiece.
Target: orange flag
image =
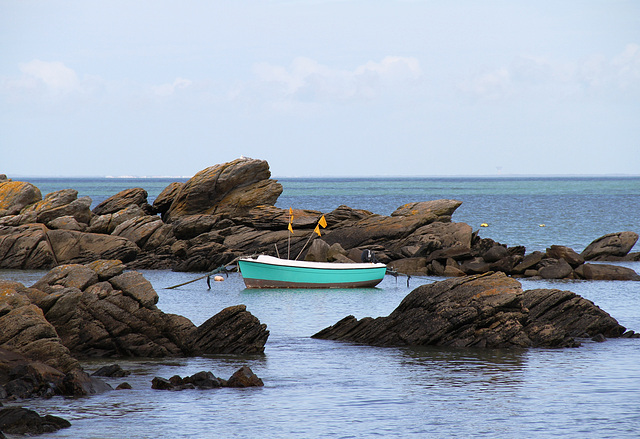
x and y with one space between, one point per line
290 215
290 228
322 222
317 230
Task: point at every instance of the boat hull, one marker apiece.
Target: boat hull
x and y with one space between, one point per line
269 272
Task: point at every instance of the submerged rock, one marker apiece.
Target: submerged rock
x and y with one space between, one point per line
243 377
19 420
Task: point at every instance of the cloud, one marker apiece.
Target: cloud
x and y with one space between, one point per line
56 77
169 89
309 81
560 78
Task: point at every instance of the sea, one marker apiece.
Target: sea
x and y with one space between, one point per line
328 389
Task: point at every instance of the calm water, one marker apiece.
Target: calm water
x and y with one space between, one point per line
316 388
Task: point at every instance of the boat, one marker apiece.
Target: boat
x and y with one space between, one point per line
265 271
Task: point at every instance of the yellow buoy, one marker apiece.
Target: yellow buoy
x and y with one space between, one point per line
541 225
484 225
218 278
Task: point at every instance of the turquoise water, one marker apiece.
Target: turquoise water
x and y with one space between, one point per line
319 389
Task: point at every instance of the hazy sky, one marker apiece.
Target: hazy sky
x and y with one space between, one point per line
320 88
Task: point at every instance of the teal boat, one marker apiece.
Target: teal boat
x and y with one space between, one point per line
271 272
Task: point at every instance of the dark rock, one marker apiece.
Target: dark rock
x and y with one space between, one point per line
113 371
611 245
599 338
121 200
318 251
488 310
495 253
159 383
566 253
440 208
411 266
475 266
190 226
124 386
107 223
138 230
233 330
529 262
18 420
25 247
556 269
76 247
244 377
134 285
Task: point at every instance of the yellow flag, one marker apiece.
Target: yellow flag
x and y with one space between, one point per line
317 230
290 228
290 215
323 221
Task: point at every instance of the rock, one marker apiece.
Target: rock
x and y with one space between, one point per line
72 276
495 253
25 247
529 261
475 266
134 285
78 209
318 251
24 330
18 420
556 269
138 230
106 269
79 383
244 377
410 266
335 252
16 195
489 310
441 208
79 248
568 312
23 378
226 188
611 245
66 223
124 386
107 223
606 272
121 200
190 226
112 371
163 201
566 253
233 330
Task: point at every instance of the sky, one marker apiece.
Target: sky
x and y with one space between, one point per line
320 88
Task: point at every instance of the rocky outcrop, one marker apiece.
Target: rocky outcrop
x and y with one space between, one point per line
488 310
226 188
97 310
611 247
227 210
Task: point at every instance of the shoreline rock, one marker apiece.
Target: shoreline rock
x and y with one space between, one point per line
227 210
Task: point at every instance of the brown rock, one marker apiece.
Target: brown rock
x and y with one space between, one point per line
244 377
566 253
134 285
76 247
69 276
611 245
121 200
16 195
440 208
163 201
138 230
25 247
228 187
606 272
